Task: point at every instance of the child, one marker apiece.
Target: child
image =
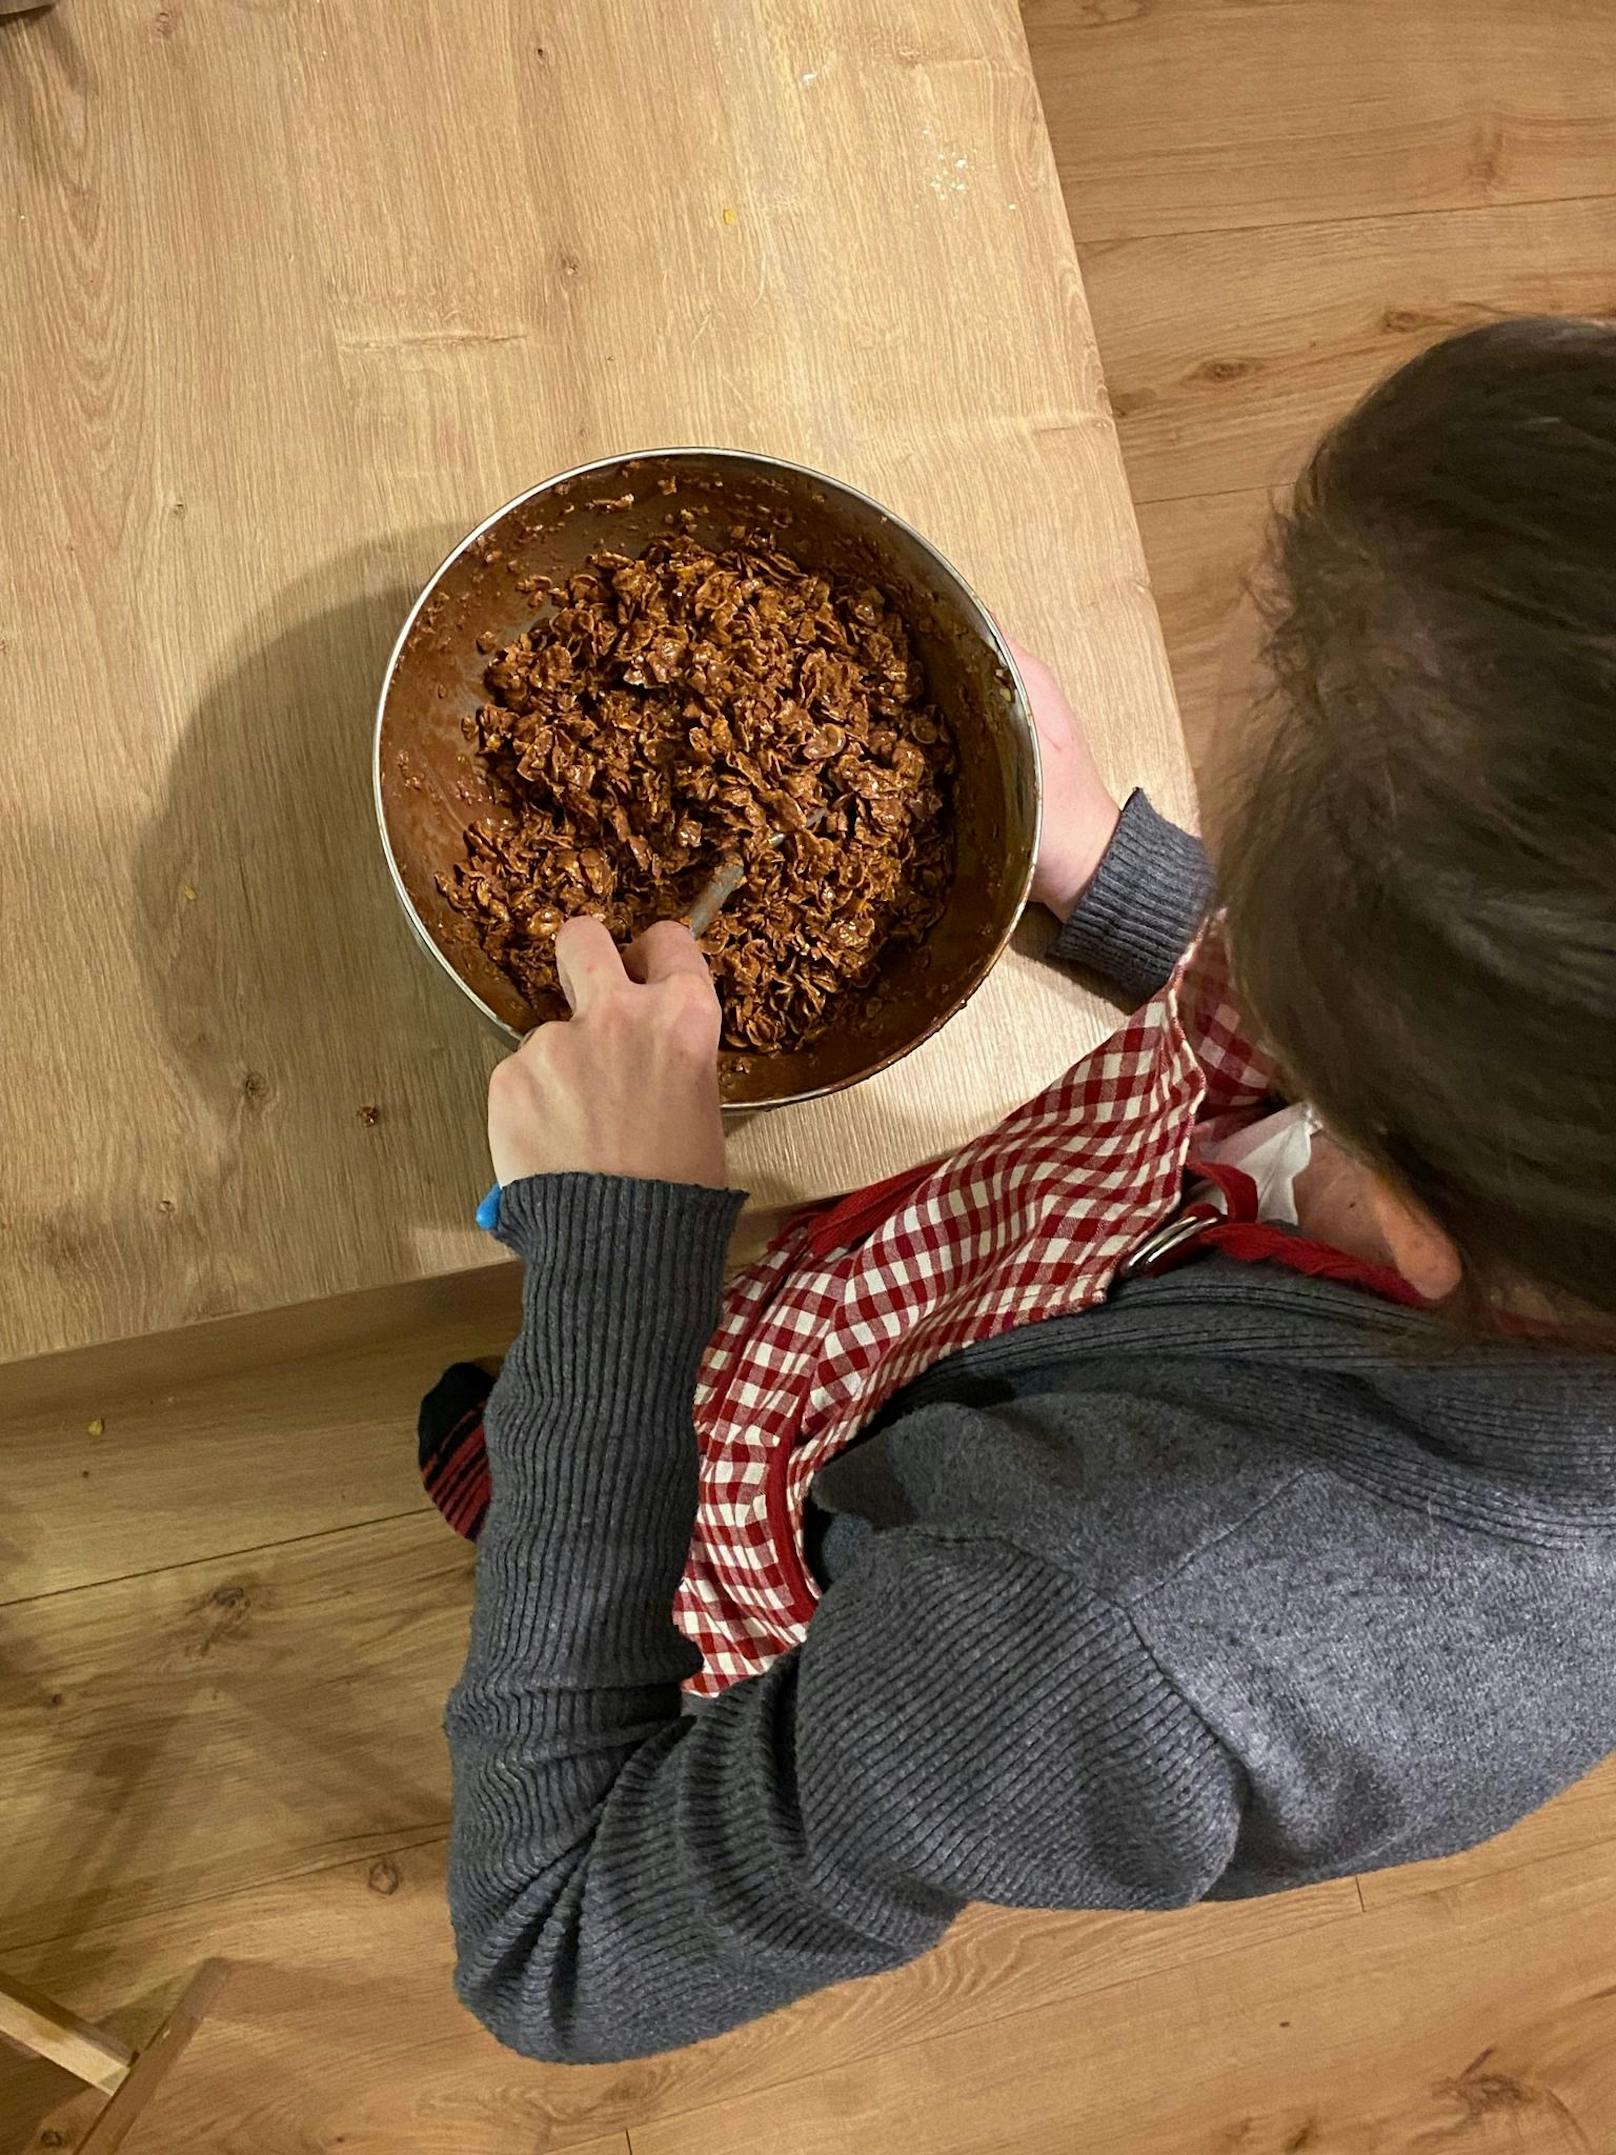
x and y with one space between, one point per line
1231 1502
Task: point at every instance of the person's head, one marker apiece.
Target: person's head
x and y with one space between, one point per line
1416 827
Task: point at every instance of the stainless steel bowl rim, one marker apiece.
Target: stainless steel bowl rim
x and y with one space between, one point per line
983 620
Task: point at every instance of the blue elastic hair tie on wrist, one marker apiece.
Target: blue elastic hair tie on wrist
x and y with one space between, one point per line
487 1213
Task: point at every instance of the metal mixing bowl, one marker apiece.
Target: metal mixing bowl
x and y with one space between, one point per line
430 786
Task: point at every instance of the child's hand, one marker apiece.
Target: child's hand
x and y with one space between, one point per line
628 1085
1080 817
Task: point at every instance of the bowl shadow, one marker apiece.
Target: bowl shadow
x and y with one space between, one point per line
315 1043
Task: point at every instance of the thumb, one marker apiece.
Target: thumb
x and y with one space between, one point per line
666 949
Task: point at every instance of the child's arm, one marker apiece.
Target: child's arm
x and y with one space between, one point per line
1129 887
963 1721
1143 906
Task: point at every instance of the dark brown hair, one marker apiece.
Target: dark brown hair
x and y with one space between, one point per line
1417 832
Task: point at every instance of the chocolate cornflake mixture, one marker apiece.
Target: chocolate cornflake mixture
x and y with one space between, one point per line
674 711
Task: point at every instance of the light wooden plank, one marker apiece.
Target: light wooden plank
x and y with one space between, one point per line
1467 2027
276 351
1228 352
327 1444
341 2019
1201 553
135 2096
143 1438
1477 2023
1191 115
181 1734
42 2028
480 1306
346 2023
1579 1824
155 1475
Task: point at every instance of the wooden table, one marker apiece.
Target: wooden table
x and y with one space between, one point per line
304 291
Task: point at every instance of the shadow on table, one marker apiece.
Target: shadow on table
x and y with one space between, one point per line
312 1038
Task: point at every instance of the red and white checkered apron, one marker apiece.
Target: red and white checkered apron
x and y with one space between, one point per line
1029 1221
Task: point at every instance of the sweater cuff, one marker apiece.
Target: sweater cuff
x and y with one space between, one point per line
622 1290
1147 899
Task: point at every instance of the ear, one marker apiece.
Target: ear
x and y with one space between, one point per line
1417 1246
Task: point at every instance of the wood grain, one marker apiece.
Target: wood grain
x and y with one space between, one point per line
43 2028
1193 115
1578 1825
156 2061
334 1447
342 2020
477 1309
346 2024
172 1471
801 225
1211 131
1202 552
183 1733
1464 2006
1227 353
1476 2023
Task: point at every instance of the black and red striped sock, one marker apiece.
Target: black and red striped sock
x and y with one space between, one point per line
449 1445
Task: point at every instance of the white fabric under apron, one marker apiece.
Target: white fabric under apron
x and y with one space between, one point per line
1273 1152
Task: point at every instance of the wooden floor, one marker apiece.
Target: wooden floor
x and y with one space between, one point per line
229 1621
1277 201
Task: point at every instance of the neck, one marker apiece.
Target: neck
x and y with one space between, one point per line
1333 1204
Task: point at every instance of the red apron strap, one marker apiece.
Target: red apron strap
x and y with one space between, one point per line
1250 1241
1254 1242
849 1219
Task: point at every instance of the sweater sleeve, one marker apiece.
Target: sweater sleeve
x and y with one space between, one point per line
1144 905
959 1724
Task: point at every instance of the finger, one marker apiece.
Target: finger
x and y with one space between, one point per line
586 960
667 949
1030 666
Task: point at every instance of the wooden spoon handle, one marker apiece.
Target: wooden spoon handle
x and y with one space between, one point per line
714 895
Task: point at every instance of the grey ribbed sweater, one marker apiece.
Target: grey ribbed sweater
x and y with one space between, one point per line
1239 1581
